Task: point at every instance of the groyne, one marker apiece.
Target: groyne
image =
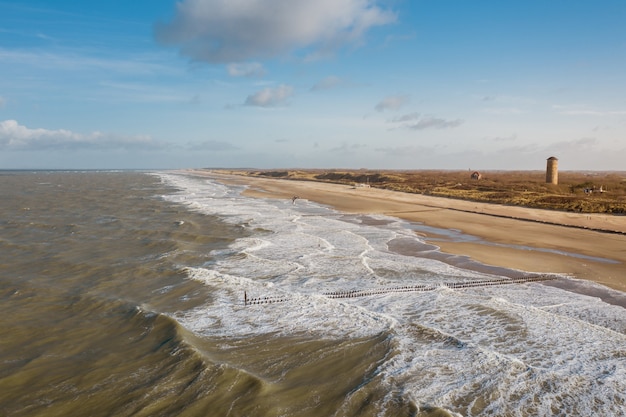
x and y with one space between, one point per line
419 288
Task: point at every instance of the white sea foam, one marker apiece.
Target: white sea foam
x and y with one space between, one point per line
550 351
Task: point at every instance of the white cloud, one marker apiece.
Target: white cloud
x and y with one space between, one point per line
434 123
223 31
16 137
392 103
248 69
588 112
270 97
348 149
579 145
510 138
416 121
407 151
142 64
406 118
212 145
502 110
581 113
327 83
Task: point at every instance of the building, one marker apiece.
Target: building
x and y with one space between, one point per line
552 171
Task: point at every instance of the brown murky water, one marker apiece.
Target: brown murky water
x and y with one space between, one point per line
91 268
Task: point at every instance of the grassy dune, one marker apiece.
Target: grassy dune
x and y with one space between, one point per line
583 192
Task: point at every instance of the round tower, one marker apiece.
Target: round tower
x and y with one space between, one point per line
552 171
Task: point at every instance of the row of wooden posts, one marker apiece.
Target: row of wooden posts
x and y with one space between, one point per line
405 288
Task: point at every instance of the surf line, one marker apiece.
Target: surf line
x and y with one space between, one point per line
406 289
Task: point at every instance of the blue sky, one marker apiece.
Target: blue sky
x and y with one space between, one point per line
396 84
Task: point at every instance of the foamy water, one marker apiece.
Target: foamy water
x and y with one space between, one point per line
518 349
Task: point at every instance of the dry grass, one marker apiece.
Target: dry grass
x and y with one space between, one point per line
518 188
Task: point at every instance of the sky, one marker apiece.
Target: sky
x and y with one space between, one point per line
269 84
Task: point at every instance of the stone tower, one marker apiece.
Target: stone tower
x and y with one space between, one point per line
552 171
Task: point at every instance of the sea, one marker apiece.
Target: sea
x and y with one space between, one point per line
166 293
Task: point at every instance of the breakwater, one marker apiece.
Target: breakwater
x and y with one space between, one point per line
369 292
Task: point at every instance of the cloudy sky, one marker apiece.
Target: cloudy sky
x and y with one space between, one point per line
388 84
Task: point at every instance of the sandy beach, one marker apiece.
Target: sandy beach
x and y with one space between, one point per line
591 247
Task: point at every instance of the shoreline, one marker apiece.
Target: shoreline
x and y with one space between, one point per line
587 247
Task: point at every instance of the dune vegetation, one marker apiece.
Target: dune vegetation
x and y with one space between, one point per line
583 192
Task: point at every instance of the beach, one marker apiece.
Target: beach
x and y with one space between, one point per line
590 247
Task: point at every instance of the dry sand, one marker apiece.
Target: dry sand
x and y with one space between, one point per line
512 237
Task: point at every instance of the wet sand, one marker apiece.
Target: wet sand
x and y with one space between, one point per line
591 247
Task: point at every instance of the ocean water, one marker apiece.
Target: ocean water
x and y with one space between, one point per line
165 293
